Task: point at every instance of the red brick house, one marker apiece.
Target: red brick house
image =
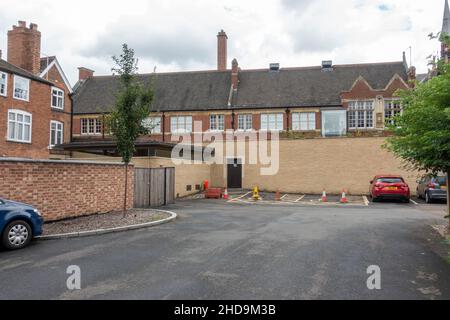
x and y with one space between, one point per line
35 103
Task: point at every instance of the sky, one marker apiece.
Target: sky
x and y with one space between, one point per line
179 35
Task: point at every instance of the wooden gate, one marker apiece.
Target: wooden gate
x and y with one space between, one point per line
154 187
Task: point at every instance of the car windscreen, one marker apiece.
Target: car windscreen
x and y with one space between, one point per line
390 180
441 180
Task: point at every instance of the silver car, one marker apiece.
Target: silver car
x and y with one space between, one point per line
432 188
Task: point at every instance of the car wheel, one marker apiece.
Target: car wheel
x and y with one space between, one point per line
427 198
16 235
374 199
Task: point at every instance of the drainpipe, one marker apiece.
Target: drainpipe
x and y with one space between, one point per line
288 126
233 120
163 126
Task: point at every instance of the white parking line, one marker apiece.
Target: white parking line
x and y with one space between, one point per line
414 202
366 201
300 198
284 196
243 196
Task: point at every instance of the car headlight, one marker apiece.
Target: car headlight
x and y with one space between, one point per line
37 212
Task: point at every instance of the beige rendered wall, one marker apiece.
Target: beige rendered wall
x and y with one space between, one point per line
312 165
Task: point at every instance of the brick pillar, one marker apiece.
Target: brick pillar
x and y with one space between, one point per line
84 73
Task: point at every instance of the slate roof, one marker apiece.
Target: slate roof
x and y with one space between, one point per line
308 87
210 90
178 91
10 68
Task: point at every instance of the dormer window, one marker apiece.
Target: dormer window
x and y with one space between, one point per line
57 98
21 88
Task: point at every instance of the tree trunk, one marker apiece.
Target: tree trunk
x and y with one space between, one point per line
126 191
448 197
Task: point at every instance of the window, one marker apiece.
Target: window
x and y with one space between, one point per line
3 84
56 133
304 121
360 114
391 109
91 126
19 126
181 124
216 122
153 124
272 121
57 98
334 123
245 122
21 88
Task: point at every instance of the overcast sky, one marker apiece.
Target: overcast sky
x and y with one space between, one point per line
178 35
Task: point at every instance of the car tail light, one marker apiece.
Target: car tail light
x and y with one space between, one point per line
434 186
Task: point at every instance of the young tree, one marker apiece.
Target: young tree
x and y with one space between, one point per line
421 134
132 106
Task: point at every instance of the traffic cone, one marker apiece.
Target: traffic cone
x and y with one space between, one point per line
324 196
344 197
277 196
225 194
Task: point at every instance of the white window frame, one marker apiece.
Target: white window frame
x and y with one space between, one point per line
245 122
178 124
92 124
58 91
389 107
24 114
298 124
153 124
56 123
217 122
341 116
361 111
278 119
5 84
27 90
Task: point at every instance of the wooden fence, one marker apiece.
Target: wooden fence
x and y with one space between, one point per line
154 187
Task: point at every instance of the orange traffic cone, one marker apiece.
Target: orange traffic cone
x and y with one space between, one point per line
225 194
344 197
324 196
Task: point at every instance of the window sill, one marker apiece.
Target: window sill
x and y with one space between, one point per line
18 141
24 100
57 109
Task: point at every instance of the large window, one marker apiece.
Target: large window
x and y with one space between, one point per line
57 98
91 126
181 124
304 121
216 122
245 122
391 109
3 84
19 126
272 121
56 133
360 114
21 88
334 123
153 124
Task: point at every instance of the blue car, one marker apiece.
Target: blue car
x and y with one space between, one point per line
19 223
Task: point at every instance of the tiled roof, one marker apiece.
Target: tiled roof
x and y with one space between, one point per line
10 68
210 90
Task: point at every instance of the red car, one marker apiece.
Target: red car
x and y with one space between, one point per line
389 187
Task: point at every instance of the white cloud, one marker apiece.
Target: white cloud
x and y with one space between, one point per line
181 35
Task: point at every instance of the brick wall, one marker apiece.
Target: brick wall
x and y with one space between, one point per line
63 189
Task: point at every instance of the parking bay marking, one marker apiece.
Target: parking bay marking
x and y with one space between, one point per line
300 198
414 202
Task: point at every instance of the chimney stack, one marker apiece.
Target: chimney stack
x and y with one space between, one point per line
84 73
235 74
222 39
24 47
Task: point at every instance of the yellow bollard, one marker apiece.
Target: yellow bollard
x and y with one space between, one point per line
256 194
